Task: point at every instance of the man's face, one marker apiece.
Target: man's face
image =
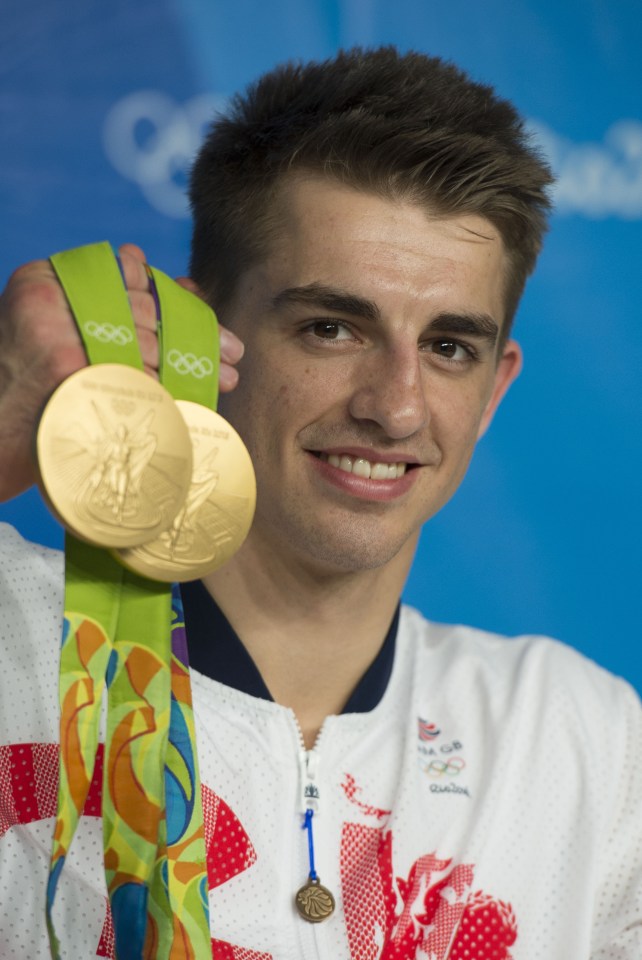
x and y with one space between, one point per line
371 369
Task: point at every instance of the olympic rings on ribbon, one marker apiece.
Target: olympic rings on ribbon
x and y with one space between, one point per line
108 333
448 768
188 364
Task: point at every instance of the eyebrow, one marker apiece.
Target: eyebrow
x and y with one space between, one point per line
337 301
480 325
470 324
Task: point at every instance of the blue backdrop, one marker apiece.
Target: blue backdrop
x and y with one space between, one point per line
102 106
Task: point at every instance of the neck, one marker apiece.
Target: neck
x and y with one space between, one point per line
311 632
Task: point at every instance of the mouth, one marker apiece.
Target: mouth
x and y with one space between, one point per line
362 467
367 475
368 469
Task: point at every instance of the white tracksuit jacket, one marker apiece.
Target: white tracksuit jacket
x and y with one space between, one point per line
488 808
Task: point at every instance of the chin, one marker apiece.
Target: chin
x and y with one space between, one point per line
350 551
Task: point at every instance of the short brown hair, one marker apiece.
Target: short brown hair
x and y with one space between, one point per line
402 126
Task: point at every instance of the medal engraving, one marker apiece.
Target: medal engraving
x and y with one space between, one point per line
218 509
114 455
314 902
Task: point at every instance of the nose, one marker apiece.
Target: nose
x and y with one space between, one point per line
391 392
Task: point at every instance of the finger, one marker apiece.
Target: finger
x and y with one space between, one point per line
232 349
188 284
133 250
228 377
34 270
133 264
148 343
143 308
35 314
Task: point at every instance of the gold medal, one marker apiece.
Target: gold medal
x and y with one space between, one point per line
314 902
114 455
218 509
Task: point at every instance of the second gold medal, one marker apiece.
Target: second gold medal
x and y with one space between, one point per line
219 507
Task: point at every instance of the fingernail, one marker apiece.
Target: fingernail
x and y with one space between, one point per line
228 378
232 349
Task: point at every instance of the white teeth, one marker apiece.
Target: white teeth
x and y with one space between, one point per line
361 468
380 471
365 468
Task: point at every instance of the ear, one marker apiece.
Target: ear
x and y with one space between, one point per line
508 369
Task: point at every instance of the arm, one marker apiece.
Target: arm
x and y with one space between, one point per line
617 933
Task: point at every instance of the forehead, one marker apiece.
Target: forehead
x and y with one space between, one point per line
329 233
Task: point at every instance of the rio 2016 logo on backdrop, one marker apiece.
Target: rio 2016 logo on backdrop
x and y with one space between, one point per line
151 140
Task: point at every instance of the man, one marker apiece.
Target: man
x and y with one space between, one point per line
365 228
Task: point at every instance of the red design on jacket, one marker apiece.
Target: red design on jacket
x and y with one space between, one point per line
29 792
29 784
430 915
351 791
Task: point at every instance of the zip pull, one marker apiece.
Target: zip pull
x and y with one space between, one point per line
307 825
309 791
313 901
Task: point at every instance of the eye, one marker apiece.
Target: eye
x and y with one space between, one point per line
449 349
452 350
330 330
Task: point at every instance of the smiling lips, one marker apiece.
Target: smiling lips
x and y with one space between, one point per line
360 467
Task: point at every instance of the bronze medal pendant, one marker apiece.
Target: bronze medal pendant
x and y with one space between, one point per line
218 509
314 902
114 456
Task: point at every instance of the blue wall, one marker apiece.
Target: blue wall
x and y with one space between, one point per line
102 105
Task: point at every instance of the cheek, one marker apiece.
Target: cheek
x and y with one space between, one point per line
456 415
304 395
262 409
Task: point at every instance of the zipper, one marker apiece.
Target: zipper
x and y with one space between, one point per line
311 936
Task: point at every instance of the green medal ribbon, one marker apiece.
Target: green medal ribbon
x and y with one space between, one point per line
191 375
93 285
116 633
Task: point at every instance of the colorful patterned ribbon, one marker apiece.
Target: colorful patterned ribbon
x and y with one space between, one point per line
87 646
